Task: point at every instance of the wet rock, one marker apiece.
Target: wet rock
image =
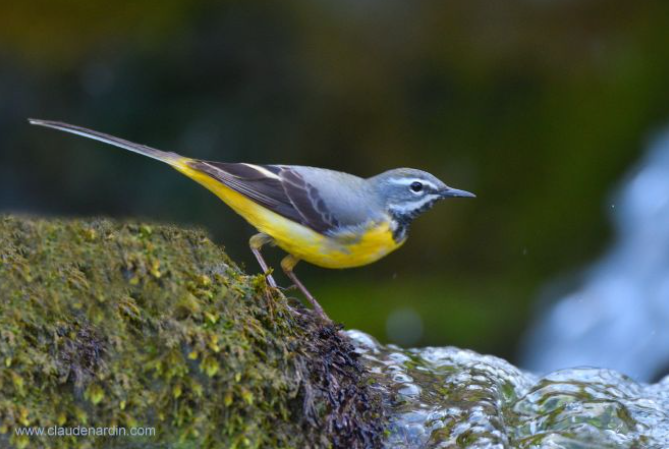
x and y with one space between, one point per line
107 324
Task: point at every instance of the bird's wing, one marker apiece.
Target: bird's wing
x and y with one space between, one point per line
279 188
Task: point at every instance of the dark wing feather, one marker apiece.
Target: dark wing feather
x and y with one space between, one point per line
286 192
307 201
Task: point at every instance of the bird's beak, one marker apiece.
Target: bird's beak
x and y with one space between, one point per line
449 192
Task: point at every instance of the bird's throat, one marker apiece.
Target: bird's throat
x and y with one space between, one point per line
400 227
402 218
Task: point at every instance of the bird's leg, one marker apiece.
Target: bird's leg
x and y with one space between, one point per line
256 242
288 263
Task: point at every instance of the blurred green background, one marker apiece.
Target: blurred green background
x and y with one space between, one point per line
538 106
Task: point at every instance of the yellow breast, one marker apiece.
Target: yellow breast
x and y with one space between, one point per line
346 250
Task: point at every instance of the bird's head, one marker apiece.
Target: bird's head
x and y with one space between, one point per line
407 192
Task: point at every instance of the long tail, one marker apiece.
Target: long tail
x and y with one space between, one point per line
170 158
182 164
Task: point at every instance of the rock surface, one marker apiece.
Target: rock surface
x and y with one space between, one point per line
105 324
113 325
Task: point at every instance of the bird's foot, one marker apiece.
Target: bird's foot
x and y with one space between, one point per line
270 279
317 307
290 288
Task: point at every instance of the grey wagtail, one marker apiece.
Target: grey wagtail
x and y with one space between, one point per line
328 218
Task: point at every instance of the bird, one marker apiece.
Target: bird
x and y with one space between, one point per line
327 218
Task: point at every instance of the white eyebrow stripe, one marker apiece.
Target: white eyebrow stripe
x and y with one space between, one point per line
409 181
414 205
262 170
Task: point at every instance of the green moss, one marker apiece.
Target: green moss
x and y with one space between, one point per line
105 324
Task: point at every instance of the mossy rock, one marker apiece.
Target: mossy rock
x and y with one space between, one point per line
104 324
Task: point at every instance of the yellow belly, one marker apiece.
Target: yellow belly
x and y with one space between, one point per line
318 249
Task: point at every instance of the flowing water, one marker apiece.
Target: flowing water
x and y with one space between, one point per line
453 398
618 317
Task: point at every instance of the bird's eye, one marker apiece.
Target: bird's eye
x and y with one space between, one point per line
416 186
